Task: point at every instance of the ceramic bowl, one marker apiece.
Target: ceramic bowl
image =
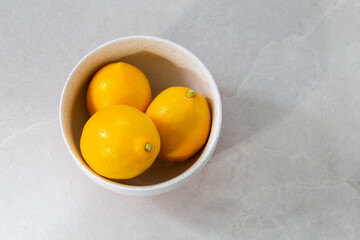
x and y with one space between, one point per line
165 64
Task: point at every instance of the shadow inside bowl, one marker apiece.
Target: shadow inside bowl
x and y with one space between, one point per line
161 74
160 171
79 114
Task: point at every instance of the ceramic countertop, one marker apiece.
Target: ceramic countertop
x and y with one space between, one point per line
287 165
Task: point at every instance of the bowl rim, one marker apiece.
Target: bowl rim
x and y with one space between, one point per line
184 176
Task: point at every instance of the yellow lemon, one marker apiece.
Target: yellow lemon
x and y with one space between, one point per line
119 142
182 117
116 84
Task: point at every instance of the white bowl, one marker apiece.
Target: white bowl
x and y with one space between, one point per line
165 64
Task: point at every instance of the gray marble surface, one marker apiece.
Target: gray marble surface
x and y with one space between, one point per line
287 165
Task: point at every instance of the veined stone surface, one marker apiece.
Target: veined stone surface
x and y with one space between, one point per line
287 165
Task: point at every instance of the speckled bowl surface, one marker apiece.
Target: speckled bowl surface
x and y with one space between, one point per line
165 64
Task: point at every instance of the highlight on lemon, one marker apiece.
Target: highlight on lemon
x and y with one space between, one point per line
119 142
118 83
182 117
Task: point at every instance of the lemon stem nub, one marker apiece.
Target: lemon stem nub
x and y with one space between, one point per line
148 147
191 93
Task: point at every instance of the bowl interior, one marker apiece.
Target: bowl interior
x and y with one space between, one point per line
163 63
